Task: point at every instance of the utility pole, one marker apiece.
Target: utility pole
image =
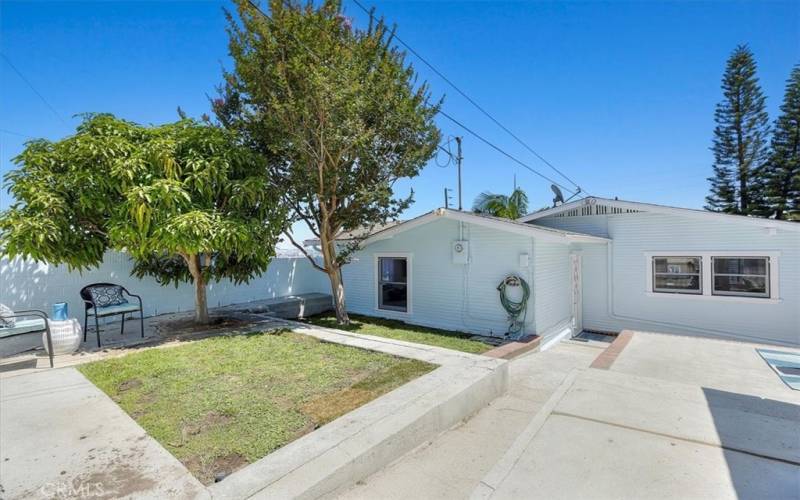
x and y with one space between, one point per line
446 204
458 162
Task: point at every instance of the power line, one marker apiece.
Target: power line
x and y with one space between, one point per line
29 84
475 134
11 132
472 101
504 153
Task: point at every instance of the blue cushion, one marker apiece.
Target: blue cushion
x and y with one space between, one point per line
23 326
117 309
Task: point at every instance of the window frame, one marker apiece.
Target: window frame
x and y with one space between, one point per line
377 282
706 283
722 293
684 291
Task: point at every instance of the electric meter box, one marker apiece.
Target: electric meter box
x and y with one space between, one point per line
460 252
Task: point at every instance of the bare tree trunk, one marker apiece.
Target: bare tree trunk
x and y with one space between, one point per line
200 300
337 289
328 243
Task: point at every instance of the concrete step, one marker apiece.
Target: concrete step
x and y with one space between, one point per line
287 307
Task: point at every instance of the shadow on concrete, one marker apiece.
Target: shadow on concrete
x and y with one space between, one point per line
760 442
19 365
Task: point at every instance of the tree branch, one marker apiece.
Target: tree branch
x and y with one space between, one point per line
305 252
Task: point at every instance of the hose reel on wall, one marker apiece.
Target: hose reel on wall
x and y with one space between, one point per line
514 308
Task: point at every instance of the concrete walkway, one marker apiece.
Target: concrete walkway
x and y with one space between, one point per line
64 438
452 465
671 417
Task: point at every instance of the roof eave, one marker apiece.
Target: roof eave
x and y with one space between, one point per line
649 207
509 226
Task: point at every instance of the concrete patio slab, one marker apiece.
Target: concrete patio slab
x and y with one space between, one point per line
722 364
668 417
758 426
61 437
577 458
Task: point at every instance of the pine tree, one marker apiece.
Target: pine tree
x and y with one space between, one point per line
782 173
739 145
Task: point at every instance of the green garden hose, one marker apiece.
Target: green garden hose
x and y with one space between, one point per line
514 308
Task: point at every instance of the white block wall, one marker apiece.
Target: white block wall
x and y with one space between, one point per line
25 284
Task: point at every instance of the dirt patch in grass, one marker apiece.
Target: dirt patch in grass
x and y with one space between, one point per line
129 384
187 326
220 403
209 422
212 469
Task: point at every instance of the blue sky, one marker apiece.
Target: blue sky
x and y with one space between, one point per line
618 95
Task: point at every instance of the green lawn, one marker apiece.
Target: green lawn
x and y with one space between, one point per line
393 329
220 403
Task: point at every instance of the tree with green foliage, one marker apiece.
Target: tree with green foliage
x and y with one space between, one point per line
511 207
740 140
186 201
337 113
782 172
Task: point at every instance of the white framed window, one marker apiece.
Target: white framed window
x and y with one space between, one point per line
740 276
733 276
673 274
393 282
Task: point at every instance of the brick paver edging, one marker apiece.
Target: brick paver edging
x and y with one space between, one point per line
610 354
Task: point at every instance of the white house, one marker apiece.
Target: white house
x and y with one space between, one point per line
594 264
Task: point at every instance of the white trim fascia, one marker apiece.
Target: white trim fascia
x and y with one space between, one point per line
409 281
511 227
649 207
399 228
546 234
706 278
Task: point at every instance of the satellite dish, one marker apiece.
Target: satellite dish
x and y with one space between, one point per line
559 197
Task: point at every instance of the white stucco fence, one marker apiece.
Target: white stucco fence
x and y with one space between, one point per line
25 284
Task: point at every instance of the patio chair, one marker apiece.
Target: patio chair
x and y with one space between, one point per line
39 323
102 300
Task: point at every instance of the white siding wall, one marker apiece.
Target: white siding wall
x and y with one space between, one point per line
629 305
553 288
596 225
26 284
443 294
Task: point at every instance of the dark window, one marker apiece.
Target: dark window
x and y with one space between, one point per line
677 275
742 276
393 283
